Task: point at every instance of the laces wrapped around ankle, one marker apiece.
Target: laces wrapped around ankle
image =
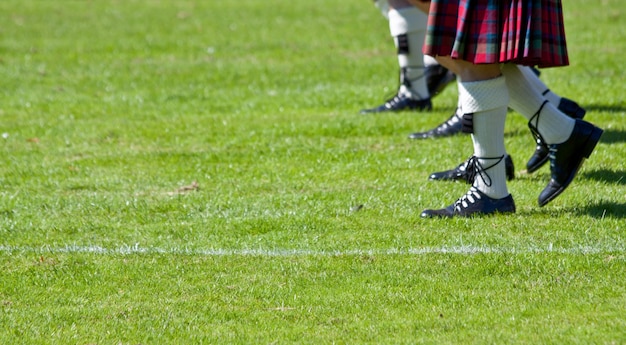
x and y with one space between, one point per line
474 168
534 127
405 81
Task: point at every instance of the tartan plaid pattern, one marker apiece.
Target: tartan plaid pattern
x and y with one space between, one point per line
525 32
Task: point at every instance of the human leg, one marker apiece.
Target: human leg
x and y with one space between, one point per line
449 127
570 140
565 105
484 99
540 155
458 30
407 26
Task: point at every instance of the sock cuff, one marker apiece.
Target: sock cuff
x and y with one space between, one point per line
430 61
483 95
405 20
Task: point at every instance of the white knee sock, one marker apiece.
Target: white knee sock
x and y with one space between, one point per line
459 103
408 27
554 126
539 85
430 61
487 100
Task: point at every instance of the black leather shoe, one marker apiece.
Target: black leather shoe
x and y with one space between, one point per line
473 203
461 173
437 78
401 103
449 127
566 159
571 108
540 156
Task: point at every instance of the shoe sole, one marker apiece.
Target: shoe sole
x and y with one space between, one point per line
590 145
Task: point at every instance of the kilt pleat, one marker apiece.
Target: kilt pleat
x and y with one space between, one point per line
526 32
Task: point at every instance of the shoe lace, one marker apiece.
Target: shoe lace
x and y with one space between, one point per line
405 81
474 168
451 120
534 126
470 197
393 100
461 169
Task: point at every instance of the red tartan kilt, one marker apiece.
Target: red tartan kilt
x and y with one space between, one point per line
526 32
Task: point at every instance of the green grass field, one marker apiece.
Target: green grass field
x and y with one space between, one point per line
192 172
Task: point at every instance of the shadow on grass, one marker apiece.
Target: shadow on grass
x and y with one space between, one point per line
612 136
604 108
604 209
599 210
606 175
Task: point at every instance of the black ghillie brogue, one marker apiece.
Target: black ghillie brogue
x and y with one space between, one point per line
567 157
437 78
540 156
448 128
473 203
401 103
460 173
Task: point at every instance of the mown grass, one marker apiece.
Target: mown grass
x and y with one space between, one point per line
303 223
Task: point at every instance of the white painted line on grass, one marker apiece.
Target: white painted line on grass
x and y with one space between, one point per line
277 252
